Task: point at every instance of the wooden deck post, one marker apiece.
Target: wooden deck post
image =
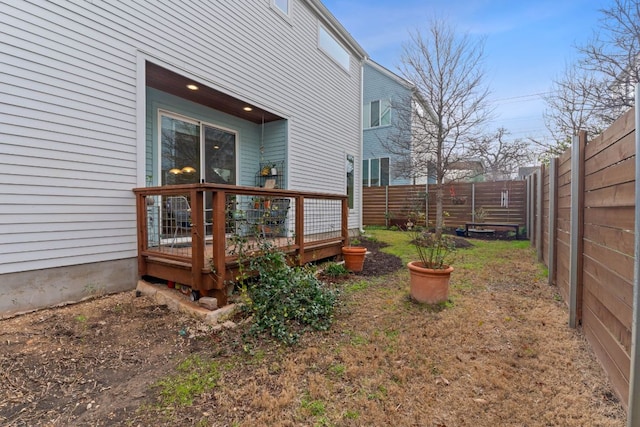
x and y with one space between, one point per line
197 238
299 229
345 222
141 221
577 228
219 202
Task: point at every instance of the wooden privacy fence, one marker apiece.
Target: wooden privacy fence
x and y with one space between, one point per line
502 201
581 209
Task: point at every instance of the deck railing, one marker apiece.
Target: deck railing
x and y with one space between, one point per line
192 234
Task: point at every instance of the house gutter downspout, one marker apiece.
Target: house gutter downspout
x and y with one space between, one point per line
633 413
358 183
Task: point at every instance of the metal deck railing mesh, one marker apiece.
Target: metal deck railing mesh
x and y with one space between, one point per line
322 219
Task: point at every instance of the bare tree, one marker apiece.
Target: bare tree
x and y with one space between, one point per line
571 106
450 102
612 56
596 90
501 157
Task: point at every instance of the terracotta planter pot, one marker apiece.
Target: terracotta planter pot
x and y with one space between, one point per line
429 285
354 257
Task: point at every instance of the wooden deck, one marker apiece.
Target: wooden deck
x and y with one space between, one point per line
200 250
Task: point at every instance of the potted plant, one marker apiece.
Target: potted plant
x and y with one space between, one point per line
429 276
353 255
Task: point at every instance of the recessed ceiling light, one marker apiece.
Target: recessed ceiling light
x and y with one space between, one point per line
192 87
248 109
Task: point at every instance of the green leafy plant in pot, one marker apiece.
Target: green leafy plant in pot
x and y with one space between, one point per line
429 276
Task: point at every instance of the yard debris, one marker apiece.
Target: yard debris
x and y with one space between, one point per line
442 380
209 303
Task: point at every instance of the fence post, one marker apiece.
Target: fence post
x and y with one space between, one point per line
529 205
633 416
386 207
553 212
539 178
532 209
473 202
426 204
577 227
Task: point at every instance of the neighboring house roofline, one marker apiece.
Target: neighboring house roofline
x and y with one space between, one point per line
401 80
423 102
337 27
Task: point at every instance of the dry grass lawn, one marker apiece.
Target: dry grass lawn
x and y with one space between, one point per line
499 354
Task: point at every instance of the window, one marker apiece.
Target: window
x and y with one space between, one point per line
283 6
377 113
350 179
375 172
333 48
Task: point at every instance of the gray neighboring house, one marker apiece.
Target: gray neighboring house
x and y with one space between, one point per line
89 88
386 97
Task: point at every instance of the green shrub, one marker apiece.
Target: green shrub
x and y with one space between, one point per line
286 301
335 270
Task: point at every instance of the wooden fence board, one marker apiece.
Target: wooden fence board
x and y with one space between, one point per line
617 239
618 130
608 295
621 217
617 152
610 353
616 174
617 329
617 351
620 195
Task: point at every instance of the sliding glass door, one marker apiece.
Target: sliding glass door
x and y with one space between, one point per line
219 156
192 151
180 148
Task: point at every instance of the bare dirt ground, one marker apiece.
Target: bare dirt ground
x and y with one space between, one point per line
499 355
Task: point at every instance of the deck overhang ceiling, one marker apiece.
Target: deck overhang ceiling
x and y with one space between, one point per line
176 84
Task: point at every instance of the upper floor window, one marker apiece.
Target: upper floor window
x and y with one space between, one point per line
377 113
283 6
333 48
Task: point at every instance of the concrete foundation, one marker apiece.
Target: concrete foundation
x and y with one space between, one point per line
37 289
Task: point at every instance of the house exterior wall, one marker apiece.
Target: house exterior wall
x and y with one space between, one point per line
73 140
379 84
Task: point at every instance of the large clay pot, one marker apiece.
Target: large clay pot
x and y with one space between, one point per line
429 285
353 257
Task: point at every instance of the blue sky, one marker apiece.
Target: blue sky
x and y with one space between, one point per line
528 43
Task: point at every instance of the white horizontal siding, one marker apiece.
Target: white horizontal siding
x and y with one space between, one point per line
68 140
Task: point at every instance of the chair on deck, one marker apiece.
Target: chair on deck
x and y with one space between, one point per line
270 221
276 220
179 213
